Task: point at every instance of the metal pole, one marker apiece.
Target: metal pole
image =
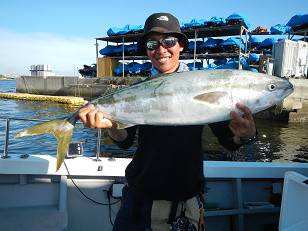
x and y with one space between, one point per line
96 46
123 56
246 41
195 49
240 52
6 141
98 144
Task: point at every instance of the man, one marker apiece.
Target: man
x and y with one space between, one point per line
165 177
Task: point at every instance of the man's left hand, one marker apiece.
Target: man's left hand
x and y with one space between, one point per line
243 126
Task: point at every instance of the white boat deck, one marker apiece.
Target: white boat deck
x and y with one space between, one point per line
30 187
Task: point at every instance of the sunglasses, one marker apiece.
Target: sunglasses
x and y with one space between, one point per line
166 43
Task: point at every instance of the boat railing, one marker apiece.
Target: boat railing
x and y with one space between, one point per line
7 120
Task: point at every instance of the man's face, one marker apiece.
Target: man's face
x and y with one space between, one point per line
164 59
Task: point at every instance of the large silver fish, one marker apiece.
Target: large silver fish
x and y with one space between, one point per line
187 98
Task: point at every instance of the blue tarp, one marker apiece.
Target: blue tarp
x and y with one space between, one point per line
298 20
215 21
233 42
254 40
134 68
220 61
230 64
146 67
198 66
280 29
182 25
109 50
254 58
118 70
267 43
127 29
195 23
210 66
131 49
211 43
235 18
191 45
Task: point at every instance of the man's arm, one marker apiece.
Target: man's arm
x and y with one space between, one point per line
231 133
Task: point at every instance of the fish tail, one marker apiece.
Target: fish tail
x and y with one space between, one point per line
62 129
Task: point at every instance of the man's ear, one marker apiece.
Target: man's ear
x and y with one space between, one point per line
181 45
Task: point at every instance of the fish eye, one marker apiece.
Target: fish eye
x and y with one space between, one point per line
271 87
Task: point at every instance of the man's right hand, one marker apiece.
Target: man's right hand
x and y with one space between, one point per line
93 118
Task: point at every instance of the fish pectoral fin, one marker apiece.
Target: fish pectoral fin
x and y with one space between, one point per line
121 125
211 97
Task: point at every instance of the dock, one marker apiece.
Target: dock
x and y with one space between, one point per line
70 100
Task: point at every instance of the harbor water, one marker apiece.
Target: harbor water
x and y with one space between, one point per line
279 142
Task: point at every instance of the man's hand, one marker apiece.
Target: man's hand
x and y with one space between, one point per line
242 126
94 119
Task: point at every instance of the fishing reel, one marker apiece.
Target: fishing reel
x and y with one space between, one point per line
182 223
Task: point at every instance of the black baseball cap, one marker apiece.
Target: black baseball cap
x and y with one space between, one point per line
164 23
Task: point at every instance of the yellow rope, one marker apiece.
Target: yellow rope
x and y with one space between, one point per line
32 97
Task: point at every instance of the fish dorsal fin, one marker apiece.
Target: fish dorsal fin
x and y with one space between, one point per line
122 125
211 97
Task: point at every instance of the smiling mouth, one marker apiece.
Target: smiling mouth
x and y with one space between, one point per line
162 59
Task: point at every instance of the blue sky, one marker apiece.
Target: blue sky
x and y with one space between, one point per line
62 32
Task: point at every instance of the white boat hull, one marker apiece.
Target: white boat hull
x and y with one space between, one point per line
239 193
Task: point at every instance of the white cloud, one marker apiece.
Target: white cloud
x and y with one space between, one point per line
65 54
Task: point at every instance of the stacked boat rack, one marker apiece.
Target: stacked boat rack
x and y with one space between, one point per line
213 44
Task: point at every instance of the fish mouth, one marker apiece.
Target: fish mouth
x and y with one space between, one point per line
286 87
290 85
289 88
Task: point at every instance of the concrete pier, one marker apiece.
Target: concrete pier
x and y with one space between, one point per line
72 86
45 86
297 102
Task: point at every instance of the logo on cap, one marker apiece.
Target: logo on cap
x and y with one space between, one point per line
163 18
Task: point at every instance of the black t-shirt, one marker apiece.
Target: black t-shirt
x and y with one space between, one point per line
168 163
